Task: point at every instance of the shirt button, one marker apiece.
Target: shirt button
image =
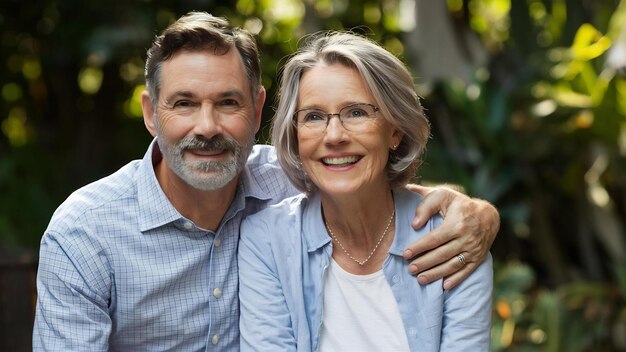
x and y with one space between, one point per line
395 279
188 225
217 293
215 339
217 242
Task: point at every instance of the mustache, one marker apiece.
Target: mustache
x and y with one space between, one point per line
208 144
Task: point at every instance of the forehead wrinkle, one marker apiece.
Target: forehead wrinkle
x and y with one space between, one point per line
339 106
179 94
232 93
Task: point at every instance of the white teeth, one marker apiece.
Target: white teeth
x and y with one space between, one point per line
341 160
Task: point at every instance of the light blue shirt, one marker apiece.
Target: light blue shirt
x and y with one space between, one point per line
120 269
284 252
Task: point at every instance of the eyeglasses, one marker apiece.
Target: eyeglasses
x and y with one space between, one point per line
353 117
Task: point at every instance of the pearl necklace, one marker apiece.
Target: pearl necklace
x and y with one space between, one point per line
361 262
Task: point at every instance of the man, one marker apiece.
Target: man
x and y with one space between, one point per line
145 259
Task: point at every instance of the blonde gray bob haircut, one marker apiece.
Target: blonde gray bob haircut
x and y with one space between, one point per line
388 81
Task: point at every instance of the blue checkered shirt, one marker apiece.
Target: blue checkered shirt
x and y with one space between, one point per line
121 270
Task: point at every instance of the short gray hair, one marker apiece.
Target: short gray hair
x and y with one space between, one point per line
197 31
389 82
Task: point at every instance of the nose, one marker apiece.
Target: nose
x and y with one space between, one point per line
335 131
208 122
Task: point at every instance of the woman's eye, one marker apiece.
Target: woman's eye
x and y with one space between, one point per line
314 116
357 113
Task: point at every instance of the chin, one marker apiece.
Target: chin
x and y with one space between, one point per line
339 190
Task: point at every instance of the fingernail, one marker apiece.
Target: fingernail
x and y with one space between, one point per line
422 279
413 269
446 285
407 254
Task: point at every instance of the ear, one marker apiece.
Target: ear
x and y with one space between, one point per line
148 113
396 138
258 109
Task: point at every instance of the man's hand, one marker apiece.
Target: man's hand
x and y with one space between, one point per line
469 228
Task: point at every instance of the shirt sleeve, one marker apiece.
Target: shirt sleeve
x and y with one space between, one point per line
467 312
73 286
265 322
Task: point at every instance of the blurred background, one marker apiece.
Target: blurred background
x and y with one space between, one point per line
527 100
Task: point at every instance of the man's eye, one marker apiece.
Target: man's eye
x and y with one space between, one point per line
229 102
183 104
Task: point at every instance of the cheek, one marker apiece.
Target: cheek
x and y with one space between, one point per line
306 147
169 123
238 125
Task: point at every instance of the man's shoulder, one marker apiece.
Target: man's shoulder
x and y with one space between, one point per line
263 162
265 174
262 154
108 194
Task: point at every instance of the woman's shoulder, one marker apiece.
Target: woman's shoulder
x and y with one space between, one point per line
274 218
287 207
407 203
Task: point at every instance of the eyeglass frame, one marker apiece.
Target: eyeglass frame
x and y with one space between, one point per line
330 115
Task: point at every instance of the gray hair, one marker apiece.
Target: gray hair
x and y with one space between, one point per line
388 81
197 31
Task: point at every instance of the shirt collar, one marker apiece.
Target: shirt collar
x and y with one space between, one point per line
250 186
316 235
156 210
405 202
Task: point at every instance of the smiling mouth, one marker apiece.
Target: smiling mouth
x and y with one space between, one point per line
341 161
207 152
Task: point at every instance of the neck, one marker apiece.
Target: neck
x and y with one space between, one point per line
358 222
205 208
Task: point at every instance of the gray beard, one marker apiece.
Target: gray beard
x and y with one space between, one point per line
206 175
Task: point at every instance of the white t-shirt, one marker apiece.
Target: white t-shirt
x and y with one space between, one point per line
360 313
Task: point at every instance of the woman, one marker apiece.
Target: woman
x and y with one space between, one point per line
324 271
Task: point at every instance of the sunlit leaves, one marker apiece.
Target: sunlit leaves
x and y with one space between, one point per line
576 82
31 68
15 127
132 106
588 43
11 92
90 80
491 19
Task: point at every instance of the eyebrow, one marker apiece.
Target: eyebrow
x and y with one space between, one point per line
341 106
178 94
231 94
190 95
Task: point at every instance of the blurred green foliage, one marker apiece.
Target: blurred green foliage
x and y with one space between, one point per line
526 100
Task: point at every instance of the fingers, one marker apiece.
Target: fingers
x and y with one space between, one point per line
436 200
469 228
451 281
423 190
453 270
431 241
439 251
442 256
440 236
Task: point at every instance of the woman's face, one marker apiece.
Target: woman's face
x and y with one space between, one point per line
337 160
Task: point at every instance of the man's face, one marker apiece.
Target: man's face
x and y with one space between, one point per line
206 119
